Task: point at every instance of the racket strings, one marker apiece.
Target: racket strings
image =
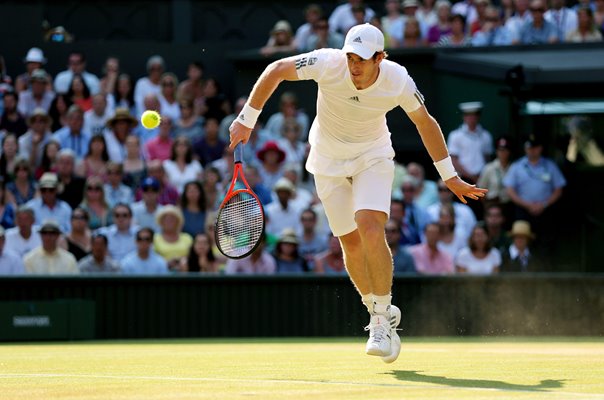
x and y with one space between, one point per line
240 225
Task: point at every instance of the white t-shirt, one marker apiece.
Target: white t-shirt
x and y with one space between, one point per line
349 133
478 266
179 178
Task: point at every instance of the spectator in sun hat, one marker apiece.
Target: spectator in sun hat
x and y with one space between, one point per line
287 256
120 126
10 262
283 213
49 258
271 158
520 255
48 206
32 142
37 96
281 39
34 59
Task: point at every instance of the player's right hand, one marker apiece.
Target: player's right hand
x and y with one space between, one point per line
463 189
238 134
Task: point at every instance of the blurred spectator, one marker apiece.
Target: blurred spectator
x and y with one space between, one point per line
149 84
492 175
258 138
95 161
8 157
181 167
492 31
457 37
12 120
121 235
215 103
95 204
393 20
428 258
470 145
342 18
76 65
442 27
282 213
48 206
71 187
466 9
225 124
271 167
73 136
201 256
507 10
31 143
408 235
115 191
123 95
150 102
37 96
49 258
331 262
193 206
288 108
77 241
10 262
281 39
120 126
135 168
402 261
302 197
312 242
481 8
521 16
95 119
21 188
171 242
479 257
253 179
58 111
23 238
160 147
563 18
189 124
145 210
495 223
519 256
79 93
586 30
538 30
260 262
209 147
212 187
426 15
49 158
321 37
7 210
167 193
583 144
144 260
289 260
295 150
191 89
111 72
412 34
450 240
167 97
599 15
312 13
99 261
416 217
34 59
464 216
427 191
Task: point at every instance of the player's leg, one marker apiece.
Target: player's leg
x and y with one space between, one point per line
356 265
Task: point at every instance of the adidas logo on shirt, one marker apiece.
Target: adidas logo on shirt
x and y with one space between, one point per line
354 98
357 39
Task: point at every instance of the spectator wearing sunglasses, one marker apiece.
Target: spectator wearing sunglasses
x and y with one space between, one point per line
48 206
144 260
121 236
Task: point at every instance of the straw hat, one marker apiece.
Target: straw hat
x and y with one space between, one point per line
39 112
522 228
122 114
170 210
288 235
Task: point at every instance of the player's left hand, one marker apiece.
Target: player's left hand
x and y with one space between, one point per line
463 189
238 134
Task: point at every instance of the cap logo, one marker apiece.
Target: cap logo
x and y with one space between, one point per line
357 40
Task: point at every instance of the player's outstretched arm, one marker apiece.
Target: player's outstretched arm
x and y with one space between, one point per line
276 72
436 146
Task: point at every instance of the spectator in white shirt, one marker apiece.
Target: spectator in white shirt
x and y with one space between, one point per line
77 65
149 84
10 262
23 237
283 214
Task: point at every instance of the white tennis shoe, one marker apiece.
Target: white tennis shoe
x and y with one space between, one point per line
383 339
395 340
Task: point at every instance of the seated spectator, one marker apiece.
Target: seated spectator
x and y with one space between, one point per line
271 167
464 216
281 39
209 147
260 262
288 108
95 204
34 59
21 189
311 242
167 97
519 18
120 126
201 256
95 161
402 261
12 120
48 206
77 241
288 259
7 210
481 7
492 32
23 237
331 262
145 210
479 257
282 213
562 17
98 261
191 89
408 234
144 260
450 241
342 17
412 34
586 30
121 235
295 150
215 103
494 220
393 20
123 95
312 13
115 191
443 25
416 217
189 124
38 134
302 197
322 38
537 30
258 138
111 73
225 124
79 93
167 193
519 257
171 242
160 147
76 65
71 187
95 119
10 262
253 179
135 168
49 258
38 96
50 153
426 15
427 191
428 258
181 167
491 177
213 188
457 37
149 84
193 206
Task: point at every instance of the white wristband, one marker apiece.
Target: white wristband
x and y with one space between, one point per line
248 116
445 168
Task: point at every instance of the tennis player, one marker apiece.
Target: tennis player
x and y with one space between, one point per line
351 158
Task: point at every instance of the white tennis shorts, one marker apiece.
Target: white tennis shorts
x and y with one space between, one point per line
342 197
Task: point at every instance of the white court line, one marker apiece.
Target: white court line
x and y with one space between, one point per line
550 394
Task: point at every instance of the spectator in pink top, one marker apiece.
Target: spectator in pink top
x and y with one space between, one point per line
429 260
160 147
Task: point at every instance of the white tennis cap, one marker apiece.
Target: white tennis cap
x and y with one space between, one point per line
364 40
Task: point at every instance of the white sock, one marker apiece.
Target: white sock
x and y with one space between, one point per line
367 299
381 304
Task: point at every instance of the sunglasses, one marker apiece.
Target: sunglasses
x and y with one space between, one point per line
121 215
537 9
150 189
47 190
78 216
94 188
144 239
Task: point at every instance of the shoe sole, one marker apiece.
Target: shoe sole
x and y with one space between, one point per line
395 343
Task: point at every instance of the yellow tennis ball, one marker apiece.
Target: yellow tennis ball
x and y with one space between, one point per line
150 119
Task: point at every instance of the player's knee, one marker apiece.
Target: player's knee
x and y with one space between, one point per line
371 225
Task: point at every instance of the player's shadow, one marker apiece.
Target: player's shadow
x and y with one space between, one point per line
416 376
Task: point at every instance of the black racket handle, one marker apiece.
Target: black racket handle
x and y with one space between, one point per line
238 153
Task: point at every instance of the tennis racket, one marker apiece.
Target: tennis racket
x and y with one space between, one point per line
240 222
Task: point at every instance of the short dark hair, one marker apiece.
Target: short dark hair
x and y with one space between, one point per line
126 206
143 230
97 235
